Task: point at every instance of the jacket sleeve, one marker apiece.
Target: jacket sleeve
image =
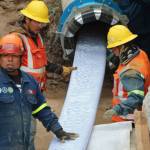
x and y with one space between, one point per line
54 68
44 113
133 82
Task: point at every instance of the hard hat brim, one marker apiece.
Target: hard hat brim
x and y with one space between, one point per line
10 52
27 14
130 38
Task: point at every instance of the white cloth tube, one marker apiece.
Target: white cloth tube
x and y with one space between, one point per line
79 110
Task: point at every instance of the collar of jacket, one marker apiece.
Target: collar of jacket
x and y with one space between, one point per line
6 79
128 53
22 30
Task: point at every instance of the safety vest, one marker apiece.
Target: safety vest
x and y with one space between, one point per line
34 59
139 63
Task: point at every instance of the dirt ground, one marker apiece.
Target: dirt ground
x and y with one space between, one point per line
55 98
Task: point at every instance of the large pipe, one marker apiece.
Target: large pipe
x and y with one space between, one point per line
77 13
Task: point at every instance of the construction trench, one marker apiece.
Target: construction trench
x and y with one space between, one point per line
83 28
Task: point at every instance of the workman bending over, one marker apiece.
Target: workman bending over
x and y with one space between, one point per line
132 78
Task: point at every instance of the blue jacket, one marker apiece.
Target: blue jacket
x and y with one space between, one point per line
16 108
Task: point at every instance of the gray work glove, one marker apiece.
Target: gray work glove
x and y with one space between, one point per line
62 135
109 113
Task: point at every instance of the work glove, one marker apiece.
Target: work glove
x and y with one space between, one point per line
109 113
67 70
62 135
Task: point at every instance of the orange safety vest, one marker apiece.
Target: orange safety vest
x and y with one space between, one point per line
139 63
34 59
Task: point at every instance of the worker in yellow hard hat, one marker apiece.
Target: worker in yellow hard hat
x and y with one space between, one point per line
34 60
34 17
132 77
36 10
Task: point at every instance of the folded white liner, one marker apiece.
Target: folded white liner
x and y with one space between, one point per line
79 110
115 136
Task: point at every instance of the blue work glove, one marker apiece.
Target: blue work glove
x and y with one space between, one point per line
63 135
109 113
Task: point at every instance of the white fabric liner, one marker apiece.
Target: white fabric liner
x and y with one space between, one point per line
114 136
79 110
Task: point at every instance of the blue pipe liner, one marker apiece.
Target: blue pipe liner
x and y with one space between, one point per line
79 4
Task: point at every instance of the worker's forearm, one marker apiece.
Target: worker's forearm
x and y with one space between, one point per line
49 120
133 83
128 106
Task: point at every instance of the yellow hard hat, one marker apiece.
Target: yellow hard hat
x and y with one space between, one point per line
118 35
36 10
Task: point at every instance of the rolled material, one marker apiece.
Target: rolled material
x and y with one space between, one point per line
80 107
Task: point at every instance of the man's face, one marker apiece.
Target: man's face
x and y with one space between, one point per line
35 26
116 50
10 62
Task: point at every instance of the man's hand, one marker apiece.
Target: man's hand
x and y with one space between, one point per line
67 70
109 113
62 135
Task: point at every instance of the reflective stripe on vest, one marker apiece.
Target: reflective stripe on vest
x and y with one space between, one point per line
27 69
120 89
138 92
34 59
42 84
29 54
28 48
142 67
41 39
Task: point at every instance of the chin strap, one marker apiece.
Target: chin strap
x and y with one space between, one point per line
128 53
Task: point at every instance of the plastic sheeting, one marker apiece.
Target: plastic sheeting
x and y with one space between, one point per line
79 110
115 136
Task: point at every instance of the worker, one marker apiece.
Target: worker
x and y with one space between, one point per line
135 10
34 59
132 77
21 97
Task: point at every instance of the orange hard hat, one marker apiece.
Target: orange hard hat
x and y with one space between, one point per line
11 44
